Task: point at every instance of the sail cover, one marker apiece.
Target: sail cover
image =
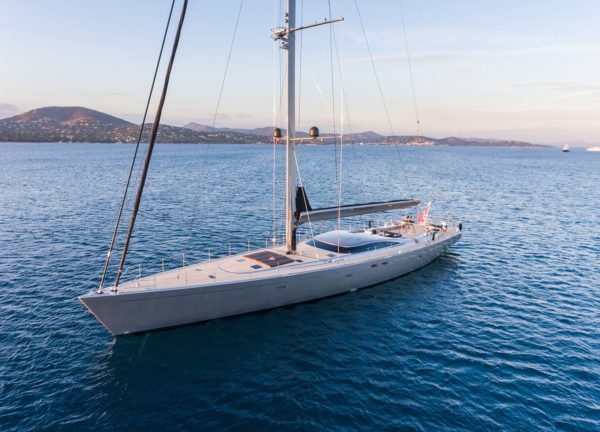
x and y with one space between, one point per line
353 210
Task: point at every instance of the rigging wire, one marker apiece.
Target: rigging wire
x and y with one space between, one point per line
342 97
331 77
137 147
338 172
278 89
317 85
216 113
333 113
337 167
277 110
300 66
276 226
410 68
235 29
381 95
364 33
345 111
151 142
310 227
275 116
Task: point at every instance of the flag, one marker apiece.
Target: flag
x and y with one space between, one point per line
422 217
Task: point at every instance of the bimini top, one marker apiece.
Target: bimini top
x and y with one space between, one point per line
351 242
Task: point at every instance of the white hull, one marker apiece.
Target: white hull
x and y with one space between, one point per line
134 311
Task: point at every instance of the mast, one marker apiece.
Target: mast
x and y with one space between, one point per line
290 154
287 36
151 142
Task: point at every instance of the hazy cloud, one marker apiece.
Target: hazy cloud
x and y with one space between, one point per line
461 55
563 88
8 110
449 44
445 37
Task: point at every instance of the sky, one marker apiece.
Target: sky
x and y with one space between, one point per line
522 70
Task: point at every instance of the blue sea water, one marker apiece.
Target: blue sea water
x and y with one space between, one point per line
500 333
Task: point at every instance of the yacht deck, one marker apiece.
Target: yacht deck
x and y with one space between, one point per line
270 262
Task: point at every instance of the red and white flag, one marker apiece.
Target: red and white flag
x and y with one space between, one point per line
422 217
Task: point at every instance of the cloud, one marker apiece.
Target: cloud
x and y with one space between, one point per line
8 110
461 55
562 88
459 44
445 37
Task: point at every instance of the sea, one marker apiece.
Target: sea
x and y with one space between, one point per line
501 333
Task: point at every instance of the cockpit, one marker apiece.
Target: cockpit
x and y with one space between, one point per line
352 242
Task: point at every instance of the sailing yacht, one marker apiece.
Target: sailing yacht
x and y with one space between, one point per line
566 148
332 263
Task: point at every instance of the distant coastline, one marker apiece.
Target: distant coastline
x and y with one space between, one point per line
84 125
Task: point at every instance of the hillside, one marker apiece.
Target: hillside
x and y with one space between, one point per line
63 124
261 131
66 116
79 124
375 138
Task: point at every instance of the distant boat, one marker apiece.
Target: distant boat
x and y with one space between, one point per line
593 149
566 148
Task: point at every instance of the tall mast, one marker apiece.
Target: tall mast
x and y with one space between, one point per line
287 36
151 142
290 154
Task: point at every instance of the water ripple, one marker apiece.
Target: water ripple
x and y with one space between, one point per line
501 333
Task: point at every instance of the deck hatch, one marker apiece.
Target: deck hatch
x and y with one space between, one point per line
269 258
